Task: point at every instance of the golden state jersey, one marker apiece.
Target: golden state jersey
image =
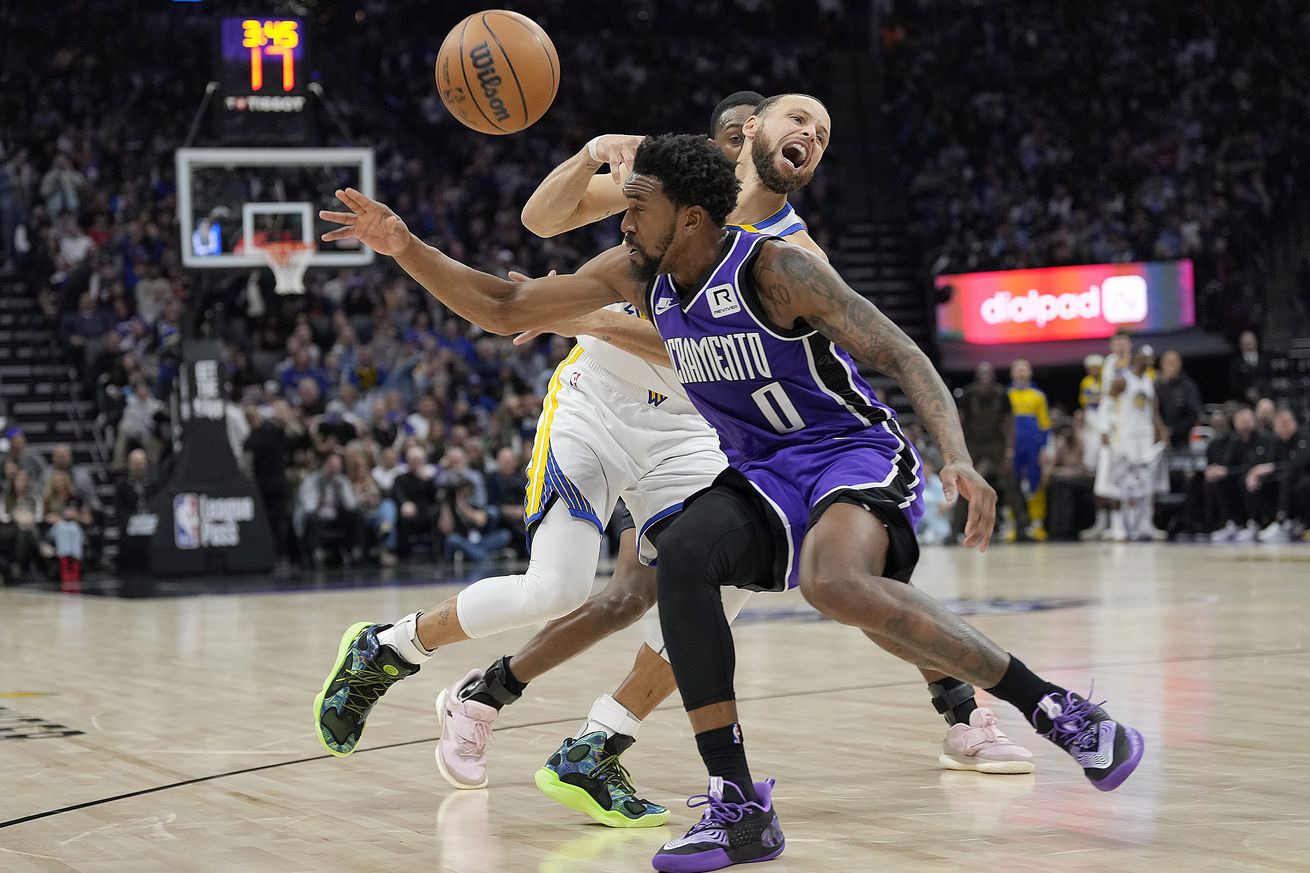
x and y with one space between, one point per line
660 381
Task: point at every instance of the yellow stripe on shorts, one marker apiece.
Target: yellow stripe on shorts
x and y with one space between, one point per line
541 443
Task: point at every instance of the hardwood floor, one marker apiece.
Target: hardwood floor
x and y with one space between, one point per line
196 749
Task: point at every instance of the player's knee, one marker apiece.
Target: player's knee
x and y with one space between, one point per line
850 595
552 594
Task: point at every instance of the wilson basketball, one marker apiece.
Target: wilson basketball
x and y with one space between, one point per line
497 71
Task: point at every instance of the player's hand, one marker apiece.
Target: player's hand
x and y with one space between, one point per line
618 150
962 480
370 222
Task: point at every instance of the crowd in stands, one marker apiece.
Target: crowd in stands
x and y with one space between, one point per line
1049 133
377 423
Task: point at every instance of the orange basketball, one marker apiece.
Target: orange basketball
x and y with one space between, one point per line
497 71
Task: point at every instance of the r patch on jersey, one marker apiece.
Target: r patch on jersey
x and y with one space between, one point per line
723 301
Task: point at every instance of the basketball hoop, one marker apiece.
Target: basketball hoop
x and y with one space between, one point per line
288 261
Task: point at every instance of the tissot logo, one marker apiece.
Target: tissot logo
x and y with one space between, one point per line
1118 300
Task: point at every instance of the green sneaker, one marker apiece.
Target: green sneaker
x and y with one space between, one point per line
363 671
586 775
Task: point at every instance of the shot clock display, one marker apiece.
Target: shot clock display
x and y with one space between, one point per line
263 61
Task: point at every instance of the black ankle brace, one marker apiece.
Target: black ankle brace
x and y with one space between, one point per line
494 688
949 694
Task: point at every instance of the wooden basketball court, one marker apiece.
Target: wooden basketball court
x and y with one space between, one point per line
192 743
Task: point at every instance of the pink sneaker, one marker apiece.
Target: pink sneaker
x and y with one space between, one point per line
981 746
465 734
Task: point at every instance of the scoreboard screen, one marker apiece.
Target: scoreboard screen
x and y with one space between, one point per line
263 64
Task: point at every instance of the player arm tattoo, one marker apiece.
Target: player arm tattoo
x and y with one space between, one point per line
794 284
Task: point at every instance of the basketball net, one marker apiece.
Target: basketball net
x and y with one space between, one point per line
288 261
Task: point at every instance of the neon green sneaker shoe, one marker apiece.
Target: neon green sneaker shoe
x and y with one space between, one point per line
586 775
364 670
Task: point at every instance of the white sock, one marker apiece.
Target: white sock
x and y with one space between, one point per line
403 637
1102 518
610 716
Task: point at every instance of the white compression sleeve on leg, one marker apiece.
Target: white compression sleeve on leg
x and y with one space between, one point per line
733 600
565 552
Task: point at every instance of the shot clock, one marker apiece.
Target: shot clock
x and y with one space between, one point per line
264 65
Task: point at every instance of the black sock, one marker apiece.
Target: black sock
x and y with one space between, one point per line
724 755
953 699
1024 689
498 686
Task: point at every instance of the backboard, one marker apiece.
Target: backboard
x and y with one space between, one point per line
232 200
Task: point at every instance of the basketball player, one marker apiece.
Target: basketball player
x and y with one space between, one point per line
1129 478
824 490
571 194
1032 430
752 325
611 425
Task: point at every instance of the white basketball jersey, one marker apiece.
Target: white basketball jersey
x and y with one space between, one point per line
629 367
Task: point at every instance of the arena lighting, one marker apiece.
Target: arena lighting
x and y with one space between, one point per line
1064 303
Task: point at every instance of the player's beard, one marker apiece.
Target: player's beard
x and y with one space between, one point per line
763 155
646 266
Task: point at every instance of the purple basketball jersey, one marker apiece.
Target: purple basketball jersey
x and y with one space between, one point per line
792 412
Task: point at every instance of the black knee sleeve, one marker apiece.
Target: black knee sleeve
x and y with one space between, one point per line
720 539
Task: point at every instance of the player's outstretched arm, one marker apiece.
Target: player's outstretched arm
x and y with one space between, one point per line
494 304
634 335
573 196
794 284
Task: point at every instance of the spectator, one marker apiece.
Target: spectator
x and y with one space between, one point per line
455 468
506 487
1226 489
131 501
1265 411
136 429
61 459
988 424
1179 399
21 511
28 459
270 455
82 330
1284 482
300 368
59 495
62 187
309 398
387 469
1248 372
67 536
378 512
416 496
334 429
1069 485
936 526
325 504
469 530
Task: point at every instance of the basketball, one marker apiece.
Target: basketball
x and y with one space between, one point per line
497 72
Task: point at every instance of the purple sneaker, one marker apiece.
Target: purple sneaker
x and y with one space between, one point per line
727 834
1107 751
